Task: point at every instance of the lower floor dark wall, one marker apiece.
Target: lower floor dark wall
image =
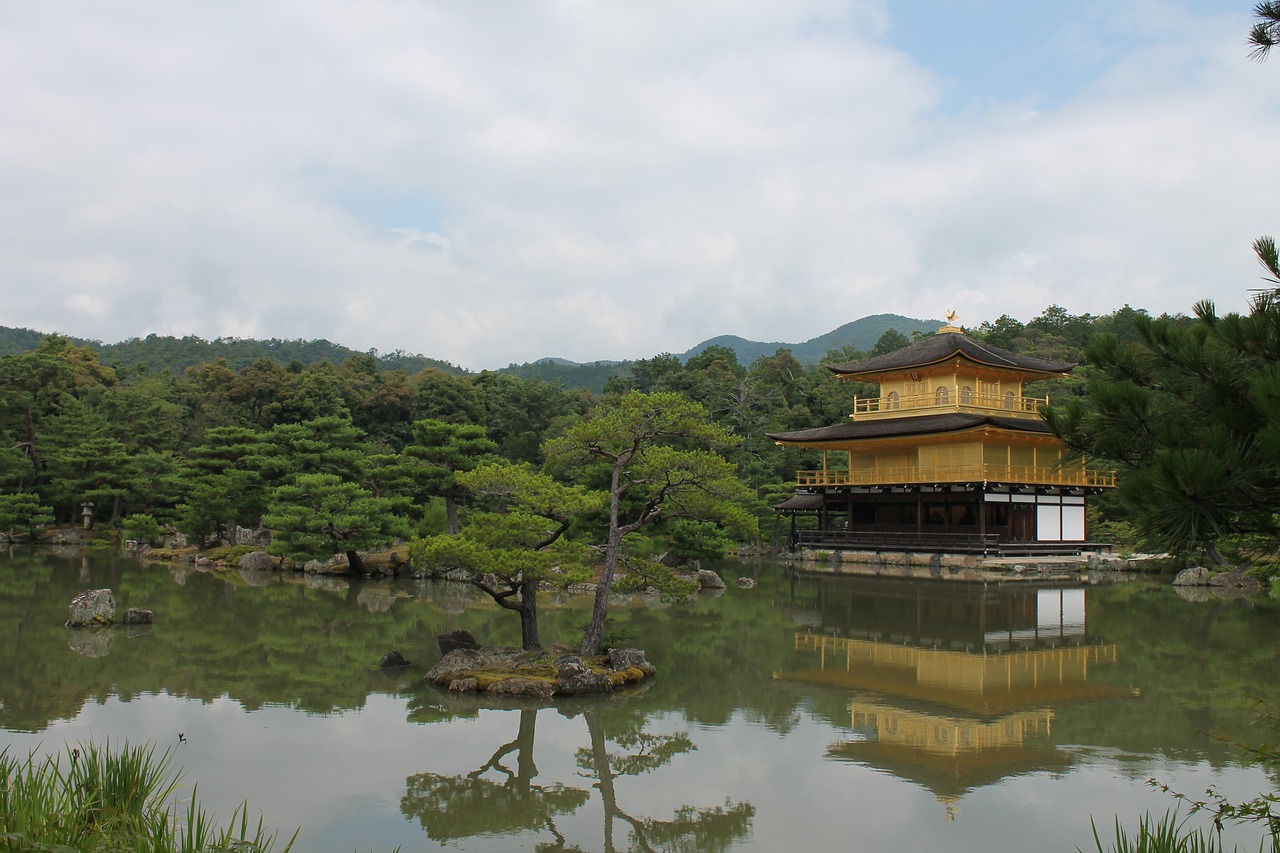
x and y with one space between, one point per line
939 513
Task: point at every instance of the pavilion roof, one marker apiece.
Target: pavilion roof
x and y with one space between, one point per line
905 426
941 347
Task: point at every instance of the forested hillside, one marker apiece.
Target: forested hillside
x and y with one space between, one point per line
162 352
217 444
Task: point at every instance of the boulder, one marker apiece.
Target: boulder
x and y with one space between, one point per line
580 683
746 583
245 536
624 658
568 666
463 662
1197 576
138 616
92 607
1236 580
708 579
393 660
531 687
256 561
453 640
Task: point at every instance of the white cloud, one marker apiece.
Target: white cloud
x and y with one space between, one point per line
604 180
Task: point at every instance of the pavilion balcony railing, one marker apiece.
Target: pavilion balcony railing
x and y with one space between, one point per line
971 473
1008 404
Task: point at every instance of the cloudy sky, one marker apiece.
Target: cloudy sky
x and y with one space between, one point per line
497 181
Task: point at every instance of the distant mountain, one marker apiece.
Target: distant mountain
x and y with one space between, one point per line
861 334
175 354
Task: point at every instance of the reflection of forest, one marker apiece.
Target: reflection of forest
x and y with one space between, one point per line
313 644
496 800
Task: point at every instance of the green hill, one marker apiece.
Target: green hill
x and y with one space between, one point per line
861 334
162 352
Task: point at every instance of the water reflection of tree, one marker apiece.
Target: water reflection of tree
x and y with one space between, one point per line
452 807
690 828
476 803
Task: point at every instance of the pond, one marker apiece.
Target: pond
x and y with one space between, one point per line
814 712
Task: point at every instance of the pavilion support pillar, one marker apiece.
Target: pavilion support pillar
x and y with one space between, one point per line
982 519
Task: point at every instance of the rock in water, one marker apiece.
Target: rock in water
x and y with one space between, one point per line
393 660
1197 576
746 583
1236 580
625 658
459 639
256 561
92 607
708 579
138 616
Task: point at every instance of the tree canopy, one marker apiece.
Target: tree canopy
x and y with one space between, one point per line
1191 414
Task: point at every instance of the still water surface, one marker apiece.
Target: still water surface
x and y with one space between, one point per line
814 712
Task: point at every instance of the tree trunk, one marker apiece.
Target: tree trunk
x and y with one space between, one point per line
600 609
451 510
604 774
529 616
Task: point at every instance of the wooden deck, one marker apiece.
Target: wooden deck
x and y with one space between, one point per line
986 545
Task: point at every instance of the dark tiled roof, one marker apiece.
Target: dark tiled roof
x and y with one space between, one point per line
923 424
939 348
800 502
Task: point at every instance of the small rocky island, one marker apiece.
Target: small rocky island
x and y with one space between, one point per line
466 667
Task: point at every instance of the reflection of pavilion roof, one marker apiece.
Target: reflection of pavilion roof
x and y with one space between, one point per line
950 777
946 753
979 684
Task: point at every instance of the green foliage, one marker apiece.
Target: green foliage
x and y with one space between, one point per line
93 798
438 453
1264 35
509 554
224 484
23 511
688 539
657 454
891 341
1166 835
1191 414
142 528
318 515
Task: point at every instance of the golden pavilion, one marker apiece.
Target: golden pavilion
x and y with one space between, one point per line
948 456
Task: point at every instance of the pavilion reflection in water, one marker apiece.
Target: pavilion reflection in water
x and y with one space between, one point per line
953 685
